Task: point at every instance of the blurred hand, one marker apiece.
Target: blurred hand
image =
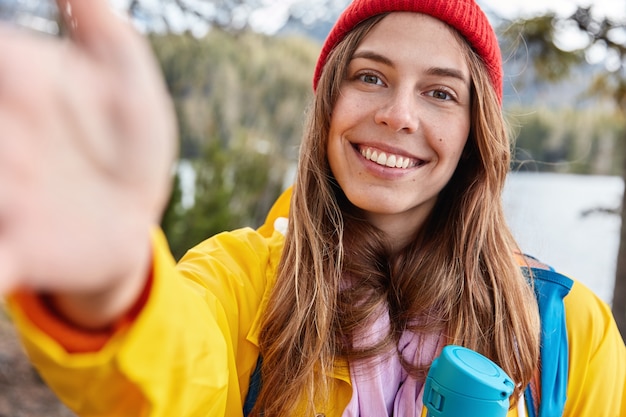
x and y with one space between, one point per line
87 143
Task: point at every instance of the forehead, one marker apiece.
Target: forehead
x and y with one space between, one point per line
417 36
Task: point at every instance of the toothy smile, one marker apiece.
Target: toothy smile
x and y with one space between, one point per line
387 159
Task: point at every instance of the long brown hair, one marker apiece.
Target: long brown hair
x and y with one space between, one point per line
459 276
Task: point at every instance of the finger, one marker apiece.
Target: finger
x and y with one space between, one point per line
86 19
93 25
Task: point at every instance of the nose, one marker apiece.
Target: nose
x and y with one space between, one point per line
399 112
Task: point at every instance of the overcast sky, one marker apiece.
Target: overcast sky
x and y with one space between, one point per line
272 17
517 8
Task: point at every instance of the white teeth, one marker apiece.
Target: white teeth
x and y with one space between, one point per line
391 161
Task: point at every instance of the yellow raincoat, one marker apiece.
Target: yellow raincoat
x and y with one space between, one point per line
192 348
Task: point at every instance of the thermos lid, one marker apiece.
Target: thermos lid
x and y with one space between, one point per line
462 379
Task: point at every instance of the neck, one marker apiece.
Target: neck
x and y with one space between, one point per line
398 232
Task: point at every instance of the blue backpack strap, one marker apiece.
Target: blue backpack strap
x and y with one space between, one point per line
253 389
550 289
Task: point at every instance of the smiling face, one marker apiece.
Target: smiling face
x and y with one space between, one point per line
401 121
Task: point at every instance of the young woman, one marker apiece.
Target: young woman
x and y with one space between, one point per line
391 245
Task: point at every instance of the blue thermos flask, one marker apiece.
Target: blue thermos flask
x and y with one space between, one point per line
464 383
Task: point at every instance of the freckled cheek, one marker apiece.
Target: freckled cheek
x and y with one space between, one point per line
351 106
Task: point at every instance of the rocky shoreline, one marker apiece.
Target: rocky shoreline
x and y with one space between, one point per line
22 392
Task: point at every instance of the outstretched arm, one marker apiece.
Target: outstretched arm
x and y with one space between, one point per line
87 142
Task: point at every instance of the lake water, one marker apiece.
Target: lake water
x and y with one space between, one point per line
545 212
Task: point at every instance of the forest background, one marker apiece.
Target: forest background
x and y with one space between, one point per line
241 102
241 98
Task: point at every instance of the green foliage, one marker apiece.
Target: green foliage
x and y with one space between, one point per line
537 37
568 140
240 101
232 188
224 83
173 213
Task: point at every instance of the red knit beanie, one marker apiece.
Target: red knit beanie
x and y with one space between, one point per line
463 15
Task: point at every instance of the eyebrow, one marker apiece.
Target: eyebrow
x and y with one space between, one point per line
447 72
373 56
438 71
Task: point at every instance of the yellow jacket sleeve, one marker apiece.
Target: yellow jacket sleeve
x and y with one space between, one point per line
187 353
597 358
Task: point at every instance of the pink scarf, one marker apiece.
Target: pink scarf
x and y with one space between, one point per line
380 386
